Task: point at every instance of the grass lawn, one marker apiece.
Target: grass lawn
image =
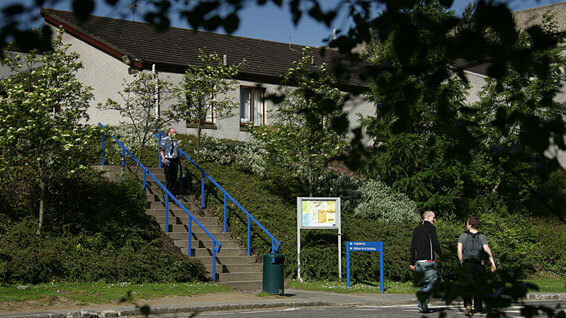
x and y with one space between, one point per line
549 286
361 287
100 292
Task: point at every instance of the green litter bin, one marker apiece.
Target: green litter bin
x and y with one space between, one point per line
273 272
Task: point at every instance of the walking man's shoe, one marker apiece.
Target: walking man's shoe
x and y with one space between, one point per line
468 311
424 308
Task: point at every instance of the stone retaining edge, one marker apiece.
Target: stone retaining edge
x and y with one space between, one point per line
164 310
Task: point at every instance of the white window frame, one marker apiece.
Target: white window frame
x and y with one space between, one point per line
252 107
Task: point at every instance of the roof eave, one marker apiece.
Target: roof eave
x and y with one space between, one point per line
120 55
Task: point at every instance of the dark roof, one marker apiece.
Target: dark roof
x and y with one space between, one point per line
523 19
175 48
474 67
532 16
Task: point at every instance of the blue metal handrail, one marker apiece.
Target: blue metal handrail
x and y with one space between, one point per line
275 244
168 195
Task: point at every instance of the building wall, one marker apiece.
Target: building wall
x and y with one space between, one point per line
476 83
106 75
102 72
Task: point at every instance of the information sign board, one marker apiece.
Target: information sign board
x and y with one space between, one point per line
365 247
318 213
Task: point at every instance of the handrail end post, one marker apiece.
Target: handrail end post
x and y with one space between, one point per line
202 191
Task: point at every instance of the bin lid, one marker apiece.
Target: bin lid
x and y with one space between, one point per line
275 255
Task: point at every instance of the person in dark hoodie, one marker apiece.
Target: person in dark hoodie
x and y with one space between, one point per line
423 247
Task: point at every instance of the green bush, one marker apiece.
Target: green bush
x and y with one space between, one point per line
128 137
550 239
247 156
95 230
520 245
333 184
379 202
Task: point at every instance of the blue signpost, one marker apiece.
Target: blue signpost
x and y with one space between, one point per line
365 247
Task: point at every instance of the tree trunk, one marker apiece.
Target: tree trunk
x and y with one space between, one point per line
310 181
198 141
41 205
140 156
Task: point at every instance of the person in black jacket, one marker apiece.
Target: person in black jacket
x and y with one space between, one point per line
423 246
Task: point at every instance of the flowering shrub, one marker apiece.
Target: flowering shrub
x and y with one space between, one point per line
247 156
380 202
128 135
216 150
332 184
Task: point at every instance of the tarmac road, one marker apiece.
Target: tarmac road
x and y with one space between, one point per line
401 311
295 303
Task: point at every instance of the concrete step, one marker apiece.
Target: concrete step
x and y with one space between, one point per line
205 244
173 206
245 285
240 276
199 236
195 228
225 252
234 268
204 220
156 195
175 210
178 192
227 260
199 214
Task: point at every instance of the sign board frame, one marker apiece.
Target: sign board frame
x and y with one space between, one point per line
361 246
327 217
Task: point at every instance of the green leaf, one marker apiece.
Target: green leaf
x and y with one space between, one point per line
83 8
231 23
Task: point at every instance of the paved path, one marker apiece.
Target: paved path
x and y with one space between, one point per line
240 300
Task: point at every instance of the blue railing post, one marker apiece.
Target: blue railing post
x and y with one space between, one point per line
190 231
158 153
144 179
202 191
166 213
225 214
213 260
123 163
181 176
102 148
249 236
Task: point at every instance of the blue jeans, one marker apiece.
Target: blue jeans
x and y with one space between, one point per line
429 277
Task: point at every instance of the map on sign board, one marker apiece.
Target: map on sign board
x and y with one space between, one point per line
318 212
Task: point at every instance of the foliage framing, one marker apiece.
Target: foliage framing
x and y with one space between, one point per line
42 117
303 138
205 90
140 98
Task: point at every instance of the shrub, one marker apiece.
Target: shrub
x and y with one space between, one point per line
379 202
520 245
96 230
247 156
129 138
550 239
332 184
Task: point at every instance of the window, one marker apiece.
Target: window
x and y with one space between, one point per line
208 108
252 106
210 118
